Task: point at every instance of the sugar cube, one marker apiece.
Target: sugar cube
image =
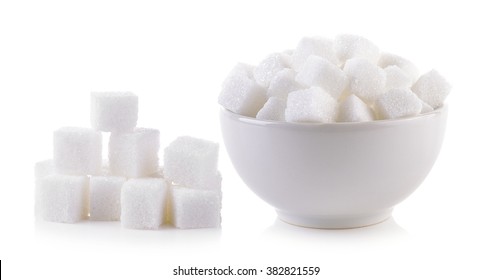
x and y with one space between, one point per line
317 46
322 73
353 109
349 46
191 162
283 83
388 59
273 110
288 56
105 198
143 203
114 111
134 154
195 208
310 105
41 169
432 88
267 69
366 80
77 151
348 68
64 198
396 78
397 103
242 69
425 108
159 173
242 95
106 169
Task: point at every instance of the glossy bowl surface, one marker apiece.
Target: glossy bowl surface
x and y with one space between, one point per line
335 175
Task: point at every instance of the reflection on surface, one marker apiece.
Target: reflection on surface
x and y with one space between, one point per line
230 240
112 234
385 231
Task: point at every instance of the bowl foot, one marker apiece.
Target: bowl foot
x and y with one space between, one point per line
335 221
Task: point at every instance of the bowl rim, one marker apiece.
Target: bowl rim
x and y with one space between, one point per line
250 120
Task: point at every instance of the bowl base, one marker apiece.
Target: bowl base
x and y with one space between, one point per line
335 221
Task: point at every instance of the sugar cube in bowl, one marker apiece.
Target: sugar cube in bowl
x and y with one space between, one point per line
346 134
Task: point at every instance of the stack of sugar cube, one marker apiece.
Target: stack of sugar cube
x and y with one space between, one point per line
190 165
347 79
132 187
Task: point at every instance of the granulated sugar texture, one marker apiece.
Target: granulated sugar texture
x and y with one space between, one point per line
345 79
132 187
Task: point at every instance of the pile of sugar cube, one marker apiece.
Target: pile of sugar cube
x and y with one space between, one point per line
131 187
346 79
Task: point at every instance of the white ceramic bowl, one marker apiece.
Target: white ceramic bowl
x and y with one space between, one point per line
336 175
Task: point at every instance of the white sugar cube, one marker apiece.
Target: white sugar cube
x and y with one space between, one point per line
310 105
366 80
425 108
267 69
212 182
349 46
353 109
397 103
288 57
241 69
134 154
106 169
317 46
388 59
143 203
242 95
322 73
63 198
191 162
41 169
77 151
432 88
159 173
114 111
273 110
195 208
105 198
396 78
283 83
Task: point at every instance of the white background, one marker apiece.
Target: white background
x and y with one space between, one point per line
174 55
